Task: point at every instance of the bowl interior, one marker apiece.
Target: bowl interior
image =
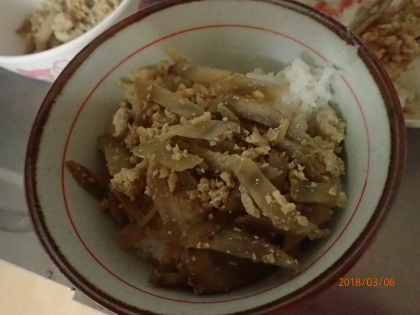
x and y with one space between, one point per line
236 35
12 14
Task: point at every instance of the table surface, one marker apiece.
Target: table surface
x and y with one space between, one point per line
394 253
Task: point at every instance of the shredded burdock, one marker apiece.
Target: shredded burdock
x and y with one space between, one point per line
215 184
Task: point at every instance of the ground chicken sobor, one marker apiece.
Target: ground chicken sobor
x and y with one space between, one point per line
217 177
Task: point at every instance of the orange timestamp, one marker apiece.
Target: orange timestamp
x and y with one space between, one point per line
366 282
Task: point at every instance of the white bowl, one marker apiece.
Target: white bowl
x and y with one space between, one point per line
45 65
231 34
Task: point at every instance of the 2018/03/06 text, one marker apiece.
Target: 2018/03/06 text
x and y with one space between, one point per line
366 282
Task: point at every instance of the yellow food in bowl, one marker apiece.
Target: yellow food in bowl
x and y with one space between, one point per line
219 177
60 21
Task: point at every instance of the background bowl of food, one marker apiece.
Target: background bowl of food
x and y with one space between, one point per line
40 37
252 191
390 29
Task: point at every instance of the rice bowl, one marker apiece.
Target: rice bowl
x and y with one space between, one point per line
46 65
195 151
362 95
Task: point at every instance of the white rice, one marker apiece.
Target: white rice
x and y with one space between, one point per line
309 88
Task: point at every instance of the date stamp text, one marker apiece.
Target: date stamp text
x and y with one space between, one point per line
366 282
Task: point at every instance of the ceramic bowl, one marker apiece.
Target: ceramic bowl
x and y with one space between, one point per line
231 34
45 65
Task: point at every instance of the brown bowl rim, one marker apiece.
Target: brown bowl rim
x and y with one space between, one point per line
311 289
